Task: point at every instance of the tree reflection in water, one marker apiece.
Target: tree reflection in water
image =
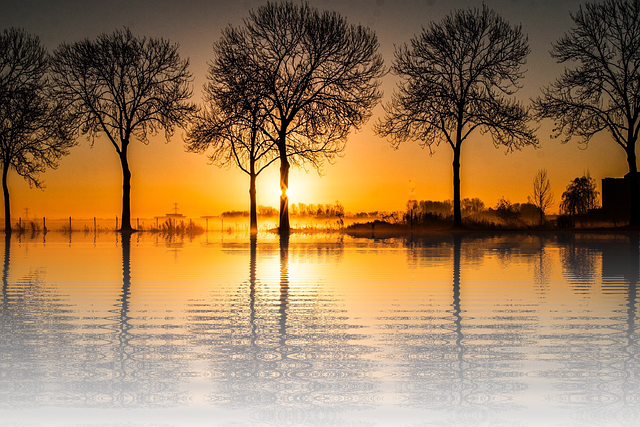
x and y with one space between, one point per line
53 356
542 264
579 263
21 424
31 338
600 383
302 422
447 367
290 359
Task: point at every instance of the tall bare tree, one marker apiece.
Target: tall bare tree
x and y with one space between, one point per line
457 76
317 77
602 91
232 125
124 87
34 131
542 197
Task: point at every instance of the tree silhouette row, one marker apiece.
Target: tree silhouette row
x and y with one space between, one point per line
291 83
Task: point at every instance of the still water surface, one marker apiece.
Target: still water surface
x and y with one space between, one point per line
491 330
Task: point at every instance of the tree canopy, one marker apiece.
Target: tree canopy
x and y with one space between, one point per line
542 197
231 127
34 129
315 75
124 87
580 196
457 77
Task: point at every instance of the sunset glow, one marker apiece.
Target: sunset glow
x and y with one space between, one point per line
320 213
369 176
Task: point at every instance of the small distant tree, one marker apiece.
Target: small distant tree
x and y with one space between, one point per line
602 91
456 77
472 206
126 88
580 196
267 211
507 211
444 208
317 77
542 197
529 213
34 131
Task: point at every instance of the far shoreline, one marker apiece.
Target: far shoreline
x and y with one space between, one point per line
380 229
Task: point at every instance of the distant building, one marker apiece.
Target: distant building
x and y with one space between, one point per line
615 196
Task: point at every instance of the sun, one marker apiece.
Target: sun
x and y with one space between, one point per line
292 192
269 190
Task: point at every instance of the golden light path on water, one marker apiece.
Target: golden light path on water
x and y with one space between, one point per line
323 330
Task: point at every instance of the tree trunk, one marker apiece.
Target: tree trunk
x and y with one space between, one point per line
632 266
124 336
253 254
5 271
284 228
125 226
283 308
634 188
254 205
126 263
457 312
5 191
457 212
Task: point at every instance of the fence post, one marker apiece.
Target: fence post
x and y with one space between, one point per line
116 222
95 229
44 224
69 224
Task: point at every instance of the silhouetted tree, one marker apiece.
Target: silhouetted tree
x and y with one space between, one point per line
507 211
472 206
316 76
233 125
34 133
542 197
456 77
125 87
580 196
602 92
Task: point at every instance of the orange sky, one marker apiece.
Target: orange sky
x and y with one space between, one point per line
369 176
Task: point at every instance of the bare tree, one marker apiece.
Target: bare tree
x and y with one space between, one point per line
456 76
542 197
125 87
232 125
34 132
317 79
602 91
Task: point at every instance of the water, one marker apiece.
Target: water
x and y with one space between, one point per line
484 330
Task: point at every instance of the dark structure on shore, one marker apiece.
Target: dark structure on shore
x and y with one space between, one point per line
616 203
